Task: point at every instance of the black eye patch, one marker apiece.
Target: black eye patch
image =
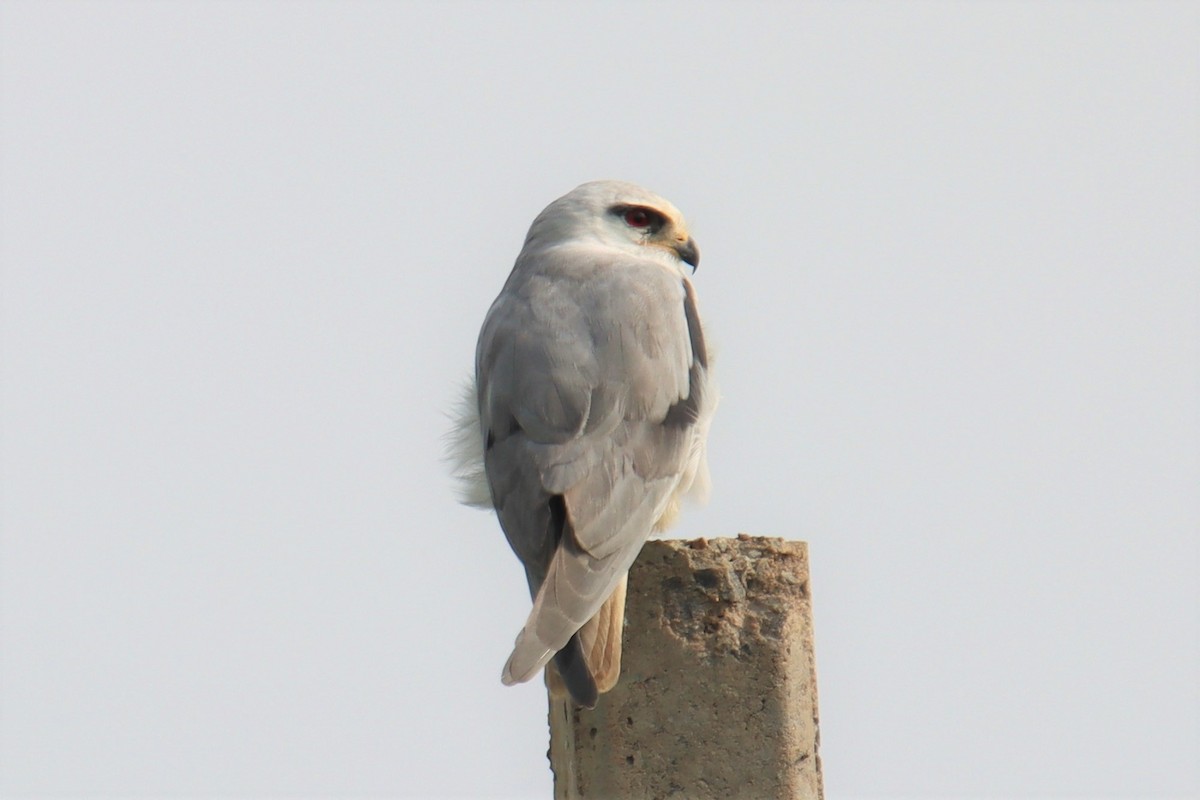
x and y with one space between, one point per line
641 218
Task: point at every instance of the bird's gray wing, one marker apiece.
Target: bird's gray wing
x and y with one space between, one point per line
591 371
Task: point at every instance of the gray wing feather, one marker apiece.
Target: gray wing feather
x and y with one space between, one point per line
578 583
584 363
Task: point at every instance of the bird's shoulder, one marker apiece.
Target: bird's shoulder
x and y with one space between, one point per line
584 336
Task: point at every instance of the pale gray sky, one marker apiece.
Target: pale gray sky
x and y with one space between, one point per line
950 267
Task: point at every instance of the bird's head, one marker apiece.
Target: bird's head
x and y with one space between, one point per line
617 214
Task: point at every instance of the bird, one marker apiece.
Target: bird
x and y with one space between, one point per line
585 425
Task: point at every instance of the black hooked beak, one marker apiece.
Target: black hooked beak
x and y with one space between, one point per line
689 253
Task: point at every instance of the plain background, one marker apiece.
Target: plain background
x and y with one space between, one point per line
950 268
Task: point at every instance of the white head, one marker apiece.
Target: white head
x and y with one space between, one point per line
617 214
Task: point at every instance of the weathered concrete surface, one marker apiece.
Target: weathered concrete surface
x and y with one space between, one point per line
717 696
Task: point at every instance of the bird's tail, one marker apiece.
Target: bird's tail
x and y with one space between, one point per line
590 664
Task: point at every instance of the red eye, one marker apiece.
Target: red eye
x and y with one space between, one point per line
637 218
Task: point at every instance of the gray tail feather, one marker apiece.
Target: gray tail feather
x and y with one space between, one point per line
573 668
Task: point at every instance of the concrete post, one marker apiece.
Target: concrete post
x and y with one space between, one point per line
718 694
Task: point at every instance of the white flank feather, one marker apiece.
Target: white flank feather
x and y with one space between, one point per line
465 451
